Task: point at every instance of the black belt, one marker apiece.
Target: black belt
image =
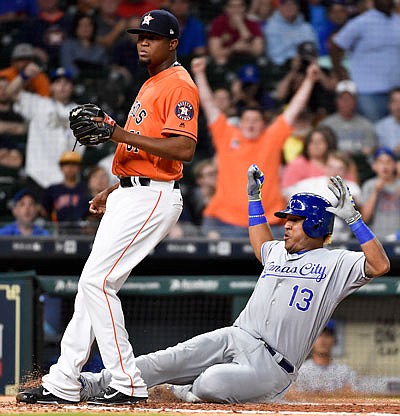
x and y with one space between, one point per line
284 363
130 181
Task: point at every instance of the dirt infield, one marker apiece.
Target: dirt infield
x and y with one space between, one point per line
161 402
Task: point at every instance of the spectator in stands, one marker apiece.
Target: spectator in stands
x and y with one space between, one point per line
381 194
233 39
311 163
83 7
337 163
327 18
128 8
46 32
25 210
97 180
237 147
260 11
12 131
321 373
355 133
67 201
12 15
248 90
388 128
198 197
110 26
322 100
106 164
81 53
23 54
285 30
294 145
192 40
125 59
224 101
49 134
374 56
17 11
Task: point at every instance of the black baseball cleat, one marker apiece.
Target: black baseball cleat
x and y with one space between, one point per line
41 396
110 396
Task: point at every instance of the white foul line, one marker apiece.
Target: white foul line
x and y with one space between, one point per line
260 412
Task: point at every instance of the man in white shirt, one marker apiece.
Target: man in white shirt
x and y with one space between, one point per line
49 135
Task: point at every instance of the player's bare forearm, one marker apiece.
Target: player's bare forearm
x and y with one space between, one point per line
258 235
174 148
377 262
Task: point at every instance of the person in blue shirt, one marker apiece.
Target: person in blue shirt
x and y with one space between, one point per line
193 41
372 43
25 211
286 29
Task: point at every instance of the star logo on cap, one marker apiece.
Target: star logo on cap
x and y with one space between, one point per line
147 19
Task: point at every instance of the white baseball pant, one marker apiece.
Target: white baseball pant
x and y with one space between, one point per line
136 220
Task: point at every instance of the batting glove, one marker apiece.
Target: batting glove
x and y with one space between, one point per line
255 180
345 208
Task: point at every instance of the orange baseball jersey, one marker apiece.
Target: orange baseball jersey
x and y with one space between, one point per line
234 156
167 104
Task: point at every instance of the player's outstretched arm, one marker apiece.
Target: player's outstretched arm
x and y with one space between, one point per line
259 230
377 262
92 126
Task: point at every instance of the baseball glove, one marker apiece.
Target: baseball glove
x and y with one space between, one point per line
89 132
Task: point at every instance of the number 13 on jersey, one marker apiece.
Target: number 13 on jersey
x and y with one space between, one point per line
301 299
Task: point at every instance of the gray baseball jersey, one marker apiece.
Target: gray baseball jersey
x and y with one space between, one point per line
291 303
296 295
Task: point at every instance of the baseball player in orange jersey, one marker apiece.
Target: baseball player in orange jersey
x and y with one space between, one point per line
160 133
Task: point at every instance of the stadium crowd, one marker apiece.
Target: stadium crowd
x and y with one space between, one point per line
256 55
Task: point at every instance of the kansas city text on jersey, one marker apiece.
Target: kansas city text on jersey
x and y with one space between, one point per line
305 271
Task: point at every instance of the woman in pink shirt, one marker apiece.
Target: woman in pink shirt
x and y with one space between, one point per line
317 145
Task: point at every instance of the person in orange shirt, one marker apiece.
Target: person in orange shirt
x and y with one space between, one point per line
239 147
21 56
139 211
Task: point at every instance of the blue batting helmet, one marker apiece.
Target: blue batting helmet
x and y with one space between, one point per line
318 222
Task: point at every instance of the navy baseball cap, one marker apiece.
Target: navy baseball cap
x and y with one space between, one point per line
249 74
23 192
61 73
384 151
159 22
330 326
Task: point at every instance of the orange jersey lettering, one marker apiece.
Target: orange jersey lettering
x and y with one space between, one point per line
166 105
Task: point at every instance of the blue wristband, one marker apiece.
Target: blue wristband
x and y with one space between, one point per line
256 213
362 231
23 76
